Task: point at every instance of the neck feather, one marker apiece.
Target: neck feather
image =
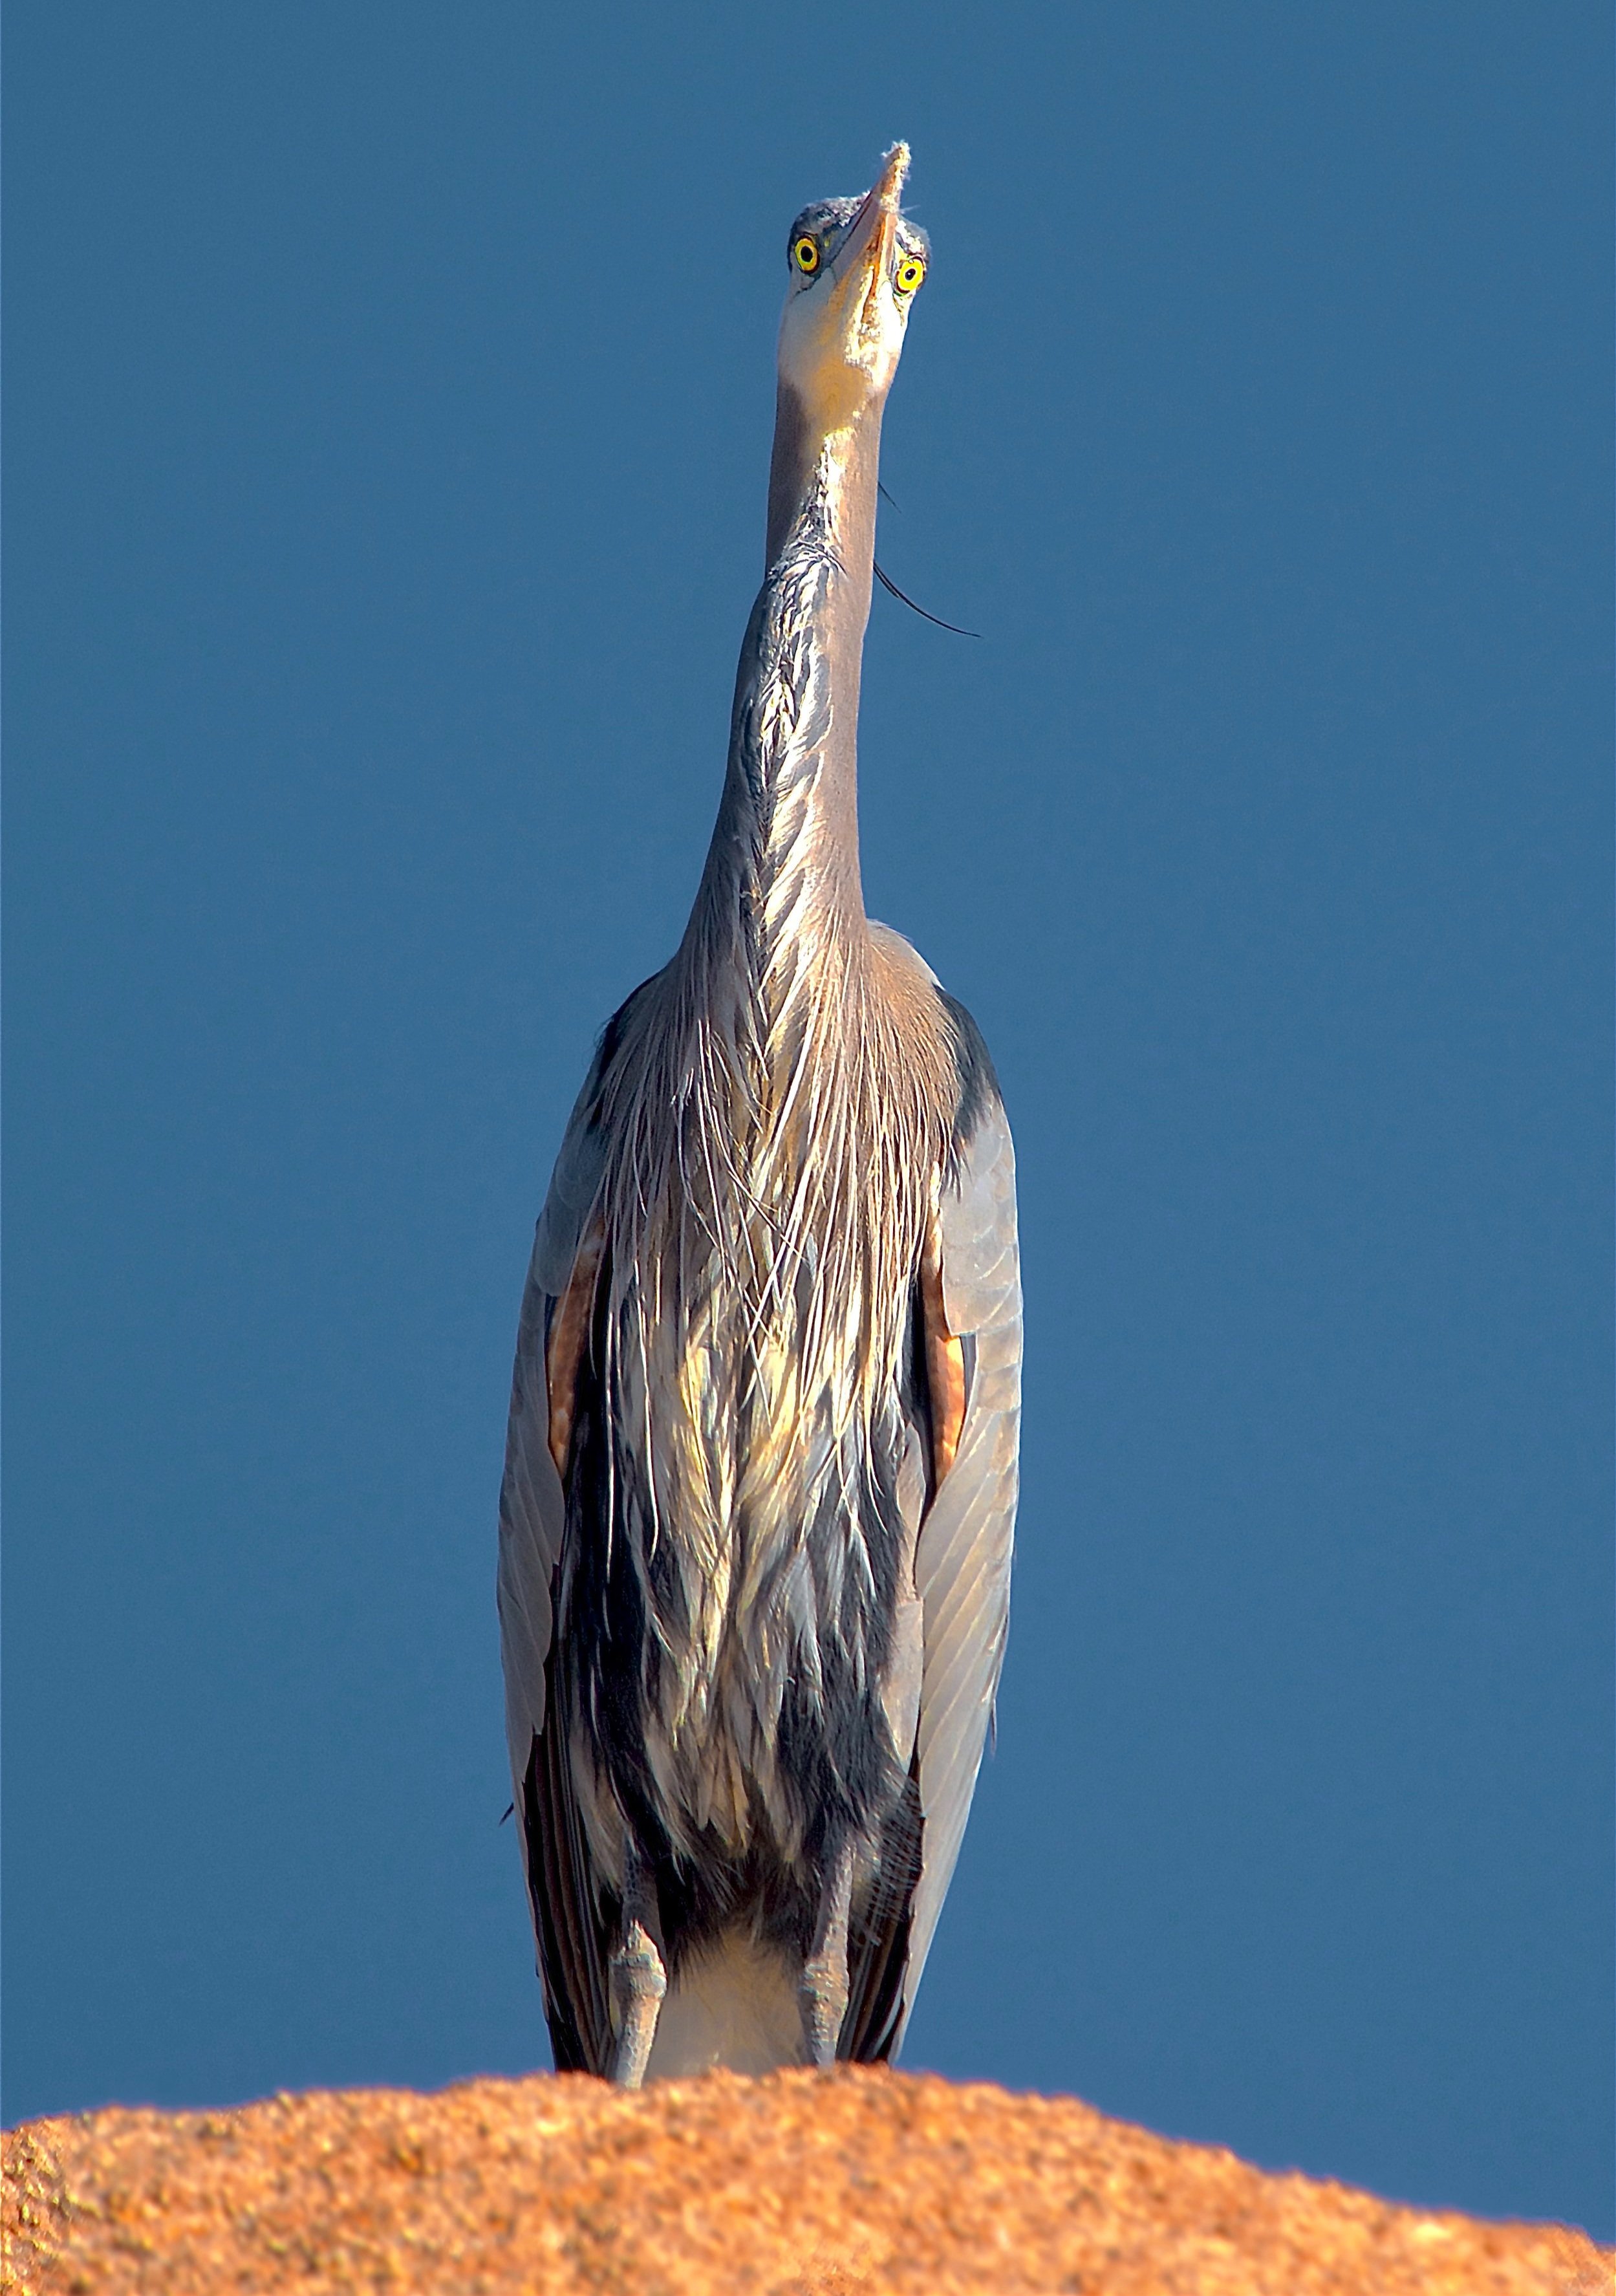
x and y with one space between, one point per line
782 878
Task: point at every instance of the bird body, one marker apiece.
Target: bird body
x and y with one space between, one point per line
760 1472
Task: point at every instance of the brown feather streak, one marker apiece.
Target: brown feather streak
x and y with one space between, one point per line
564 1348
944 1361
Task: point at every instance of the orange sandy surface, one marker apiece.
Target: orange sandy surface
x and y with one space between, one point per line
841 2184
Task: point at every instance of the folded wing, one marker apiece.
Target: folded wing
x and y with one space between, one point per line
572 1943
961 1563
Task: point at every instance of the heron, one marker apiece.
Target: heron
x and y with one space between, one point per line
761 1465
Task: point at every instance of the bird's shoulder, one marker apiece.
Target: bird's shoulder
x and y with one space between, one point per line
619 1030
923 1002
575 1178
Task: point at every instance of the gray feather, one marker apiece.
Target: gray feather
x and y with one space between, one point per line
962 1563
532 1508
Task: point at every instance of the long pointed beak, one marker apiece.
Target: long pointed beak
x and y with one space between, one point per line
866 255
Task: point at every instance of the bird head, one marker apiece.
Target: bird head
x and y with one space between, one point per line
854 266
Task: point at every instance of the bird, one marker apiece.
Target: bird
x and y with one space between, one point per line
761 1477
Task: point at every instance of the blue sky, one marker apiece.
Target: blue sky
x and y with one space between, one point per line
389 402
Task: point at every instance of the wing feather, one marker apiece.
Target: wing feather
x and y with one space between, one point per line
532 1526
532 1506
962 1562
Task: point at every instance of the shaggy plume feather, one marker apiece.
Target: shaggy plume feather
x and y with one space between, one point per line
762 1244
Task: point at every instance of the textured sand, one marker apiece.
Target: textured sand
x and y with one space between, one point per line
854 2182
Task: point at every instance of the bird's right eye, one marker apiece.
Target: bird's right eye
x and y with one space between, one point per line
805 255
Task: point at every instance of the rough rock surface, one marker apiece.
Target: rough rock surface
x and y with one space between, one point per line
800 2185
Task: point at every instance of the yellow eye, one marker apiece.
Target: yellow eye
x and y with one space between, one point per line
805 255
909 274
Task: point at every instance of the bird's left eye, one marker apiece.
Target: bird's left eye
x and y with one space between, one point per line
909 274
805 255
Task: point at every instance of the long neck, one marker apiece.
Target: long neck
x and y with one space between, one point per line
784 864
